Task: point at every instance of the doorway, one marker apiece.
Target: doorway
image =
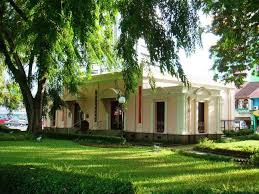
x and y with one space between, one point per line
201 117
160 117
78 115
116 116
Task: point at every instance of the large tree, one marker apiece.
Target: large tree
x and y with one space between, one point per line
45 42
237 50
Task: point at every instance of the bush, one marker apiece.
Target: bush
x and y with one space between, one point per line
248 137
84 139
241 132
255 159
229 133
206 143
26 179
15 136
5 129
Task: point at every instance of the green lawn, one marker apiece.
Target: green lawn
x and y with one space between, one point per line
150 171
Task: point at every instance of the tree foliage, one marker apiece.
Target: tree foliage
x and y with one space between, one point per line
236 23
10 95
166 26
47 42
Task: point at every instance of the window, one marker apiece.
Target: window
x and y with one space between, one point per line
63 114
140 103
53 118
245 104
160 117
95 106
236 103
201 117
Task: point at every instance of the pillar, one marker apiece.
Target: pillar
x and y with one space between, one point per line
181 113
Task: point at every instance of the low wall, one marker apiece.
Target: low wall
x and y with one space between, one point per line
168 138
117 133
145 137
60 130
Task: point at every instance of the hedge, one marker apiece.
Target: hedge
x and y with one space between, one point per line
241 132
15 136
255 159
5 129
248 137
233 153
7 134
86 138
28 179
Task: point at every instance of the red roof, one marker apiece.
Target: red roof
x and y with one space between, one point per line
247 90
254 94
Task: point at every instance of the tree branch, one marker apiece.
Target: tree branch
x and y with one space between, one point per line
20 79
18 10
13 52
8 60
30 69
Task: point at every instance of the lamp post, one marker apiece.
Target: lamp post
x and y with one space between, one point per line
122 101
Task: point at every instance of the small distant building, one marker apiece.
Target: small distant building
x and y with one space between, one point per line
247 105
254 96
247 100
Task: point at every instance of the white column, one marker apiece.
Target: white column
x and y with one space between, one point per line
181 113
152 118
125 121
165 116
218 114
196 116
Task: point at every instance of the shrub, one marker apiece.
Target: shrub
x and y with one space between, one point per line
206 143
101 140
15 136
5 129
241 132
26 179
255 159
63 136
84 139
249 137
229 133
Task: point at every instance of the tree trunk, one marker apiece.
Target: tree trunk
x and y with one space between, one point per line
33 105
34 108
37 117
35 113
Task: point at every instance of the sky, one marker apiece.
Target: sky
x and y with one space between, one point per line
198 65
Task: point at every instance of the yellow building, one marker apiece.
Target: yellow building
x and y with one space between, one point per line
171 112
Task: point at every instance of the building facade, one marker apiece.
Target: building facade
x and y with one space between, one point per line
171 112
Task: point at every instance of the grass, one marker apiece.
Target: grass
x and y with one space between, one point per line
151 172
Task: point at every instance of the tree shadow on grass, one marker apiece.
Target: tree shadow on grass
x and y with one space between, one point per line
30 179
218 183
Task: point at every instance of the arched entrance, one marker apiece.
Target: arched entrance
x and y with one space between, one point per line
114 111
202 111
78 115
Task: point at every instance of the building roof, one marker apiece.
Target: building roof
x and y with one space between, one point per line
247 90
254 94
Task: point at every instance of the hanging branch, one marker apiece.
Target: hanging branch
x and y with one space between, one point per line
18 10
